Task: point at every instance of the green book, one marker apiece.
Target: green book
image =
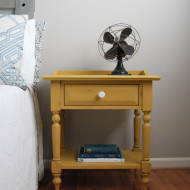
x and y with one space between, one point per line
100 148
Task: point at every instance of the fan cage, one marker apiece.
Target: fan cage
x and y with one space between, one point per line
134 36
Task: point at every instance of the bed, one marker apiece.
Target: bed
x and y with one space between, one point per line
21 160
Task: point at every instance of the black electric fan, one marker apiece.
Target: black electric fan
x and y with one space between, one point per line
125 42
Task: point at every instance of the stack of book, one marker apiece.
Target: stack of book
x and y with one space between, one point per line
100 153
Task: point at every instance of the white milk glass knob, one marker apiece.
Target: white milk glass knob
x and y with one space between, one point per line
101 94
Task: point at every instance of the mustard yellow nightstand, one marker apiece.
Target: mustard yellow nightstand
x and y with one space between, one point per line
71 90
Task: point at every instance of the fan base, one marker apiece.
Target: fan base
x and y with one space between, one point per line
119 70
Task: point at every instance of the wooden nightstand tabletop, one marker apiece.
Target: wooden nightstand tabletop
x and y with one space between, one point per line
99 75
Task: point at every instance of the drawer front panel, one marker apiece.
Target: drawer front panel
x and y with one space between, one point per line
88 95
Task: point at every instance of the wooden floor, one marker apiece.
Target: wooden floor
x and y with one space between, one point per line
161 179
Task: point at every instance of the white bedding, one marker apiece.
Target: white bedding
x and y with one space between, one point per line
21 163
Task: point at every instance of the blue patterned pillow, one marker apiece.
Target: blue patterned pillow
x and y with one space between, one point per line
12 29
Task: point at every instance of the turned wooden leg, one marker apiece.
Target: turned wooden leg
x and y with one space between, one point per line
146 164
62 122
56 162
137 130
56 180
137 134
145 180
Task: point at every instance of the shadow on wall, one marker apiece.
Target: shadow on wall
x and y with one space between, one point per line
44 103
98 127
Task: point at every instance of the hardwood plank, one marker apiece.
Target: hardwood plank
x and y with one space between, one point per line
160 179
185 175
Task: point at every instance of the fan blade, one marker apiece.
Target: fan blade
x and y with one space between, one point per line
125 33
128 50
112 53
108 38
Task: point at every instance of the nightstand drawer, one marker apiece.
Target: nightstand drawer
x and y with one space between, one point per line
105 95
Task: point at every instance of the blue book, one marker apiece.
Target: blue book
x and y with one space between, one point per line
100 155
100 149
122 159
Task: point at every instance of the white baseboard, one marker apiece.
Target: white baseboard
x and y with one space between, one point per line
170 162
156 162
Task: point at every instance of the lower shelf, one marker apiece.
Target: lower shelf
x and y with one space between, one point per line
132 161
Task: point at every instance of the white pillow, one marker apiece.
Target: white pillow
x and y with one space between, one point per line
32 49
28 66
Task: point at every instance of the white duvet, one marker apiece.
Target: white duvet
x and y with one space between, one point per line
21 163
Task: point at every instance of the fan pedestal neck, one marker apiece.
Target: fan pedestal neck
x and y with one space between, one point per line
120 69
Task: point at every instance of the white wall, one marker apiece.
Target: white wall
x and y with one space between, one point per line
70 43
